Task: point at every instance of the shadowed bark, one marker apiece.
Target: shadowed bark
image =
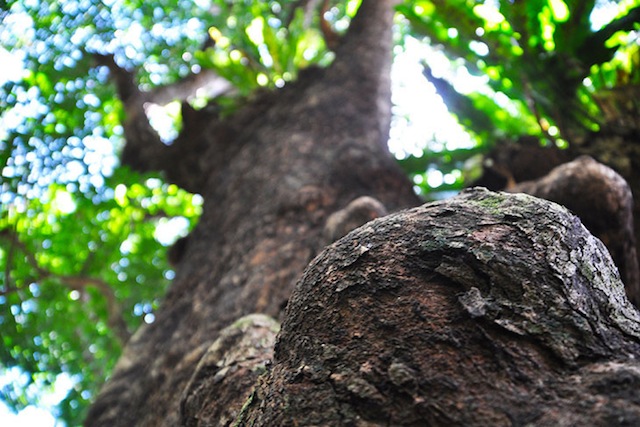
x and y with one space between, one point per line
225 375
486 309
270 180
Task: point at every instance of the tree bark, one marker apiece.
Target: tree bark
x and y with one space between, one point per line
599 195
603 201
485 309
270 176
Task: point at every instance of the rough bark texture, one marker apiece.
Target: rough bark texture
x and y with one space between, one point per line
596 193
486 309
603 201
270 177
225 375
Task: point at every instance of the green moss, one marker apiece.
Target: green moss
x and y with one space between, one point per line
243 411
250 320
491 202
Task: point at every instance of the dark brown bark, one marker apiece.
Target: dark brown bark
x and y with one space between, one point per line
489 308
270 179
486 309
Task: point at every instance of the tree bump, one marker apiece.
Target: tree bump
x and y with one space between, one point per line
488 308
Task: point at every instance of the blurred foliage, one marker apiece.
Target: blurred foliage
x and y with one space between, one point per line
548 70
262 43
83 240
79 275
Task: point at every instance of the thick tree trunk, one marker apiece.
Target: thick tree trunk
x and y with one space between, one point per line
270 177
487 309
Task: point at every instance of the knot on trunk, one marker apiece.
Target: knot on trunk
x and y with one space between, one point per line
485 309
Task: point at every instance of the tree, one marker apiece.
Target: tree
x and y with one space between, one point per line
324 125
453 313
280 174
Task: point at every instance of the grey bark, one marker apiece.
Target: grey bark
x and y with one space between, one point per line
599 194
603 201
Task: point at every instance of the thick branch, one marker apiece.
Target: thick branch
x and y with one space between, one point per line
226 372
594 49
596 193
144 151
205 83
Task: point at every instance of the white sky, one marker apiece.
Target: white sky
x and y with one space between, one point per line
33 416
420 115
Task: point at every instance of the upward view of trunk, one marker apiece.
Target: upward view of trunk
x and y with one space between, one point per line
270 177
488 309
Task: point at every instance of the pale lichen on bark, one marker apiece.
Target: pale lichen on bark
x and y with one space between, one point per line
227 370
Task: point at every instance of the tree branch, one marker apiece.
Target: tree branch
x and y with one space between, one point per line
116 321
331 38
144 150
308 6
7 267
594 49
123 78
206 82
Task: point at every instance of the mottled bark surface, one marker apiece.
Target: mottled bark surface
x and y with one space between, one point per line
270 176
487 309
603 201
602 196
224 377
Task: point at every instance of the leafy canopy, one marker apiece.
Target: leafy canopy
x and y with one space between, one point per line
553 69
84 239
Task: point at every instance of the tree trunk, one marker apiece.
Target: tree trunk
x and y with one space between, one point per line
487 309
598 194
270 176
